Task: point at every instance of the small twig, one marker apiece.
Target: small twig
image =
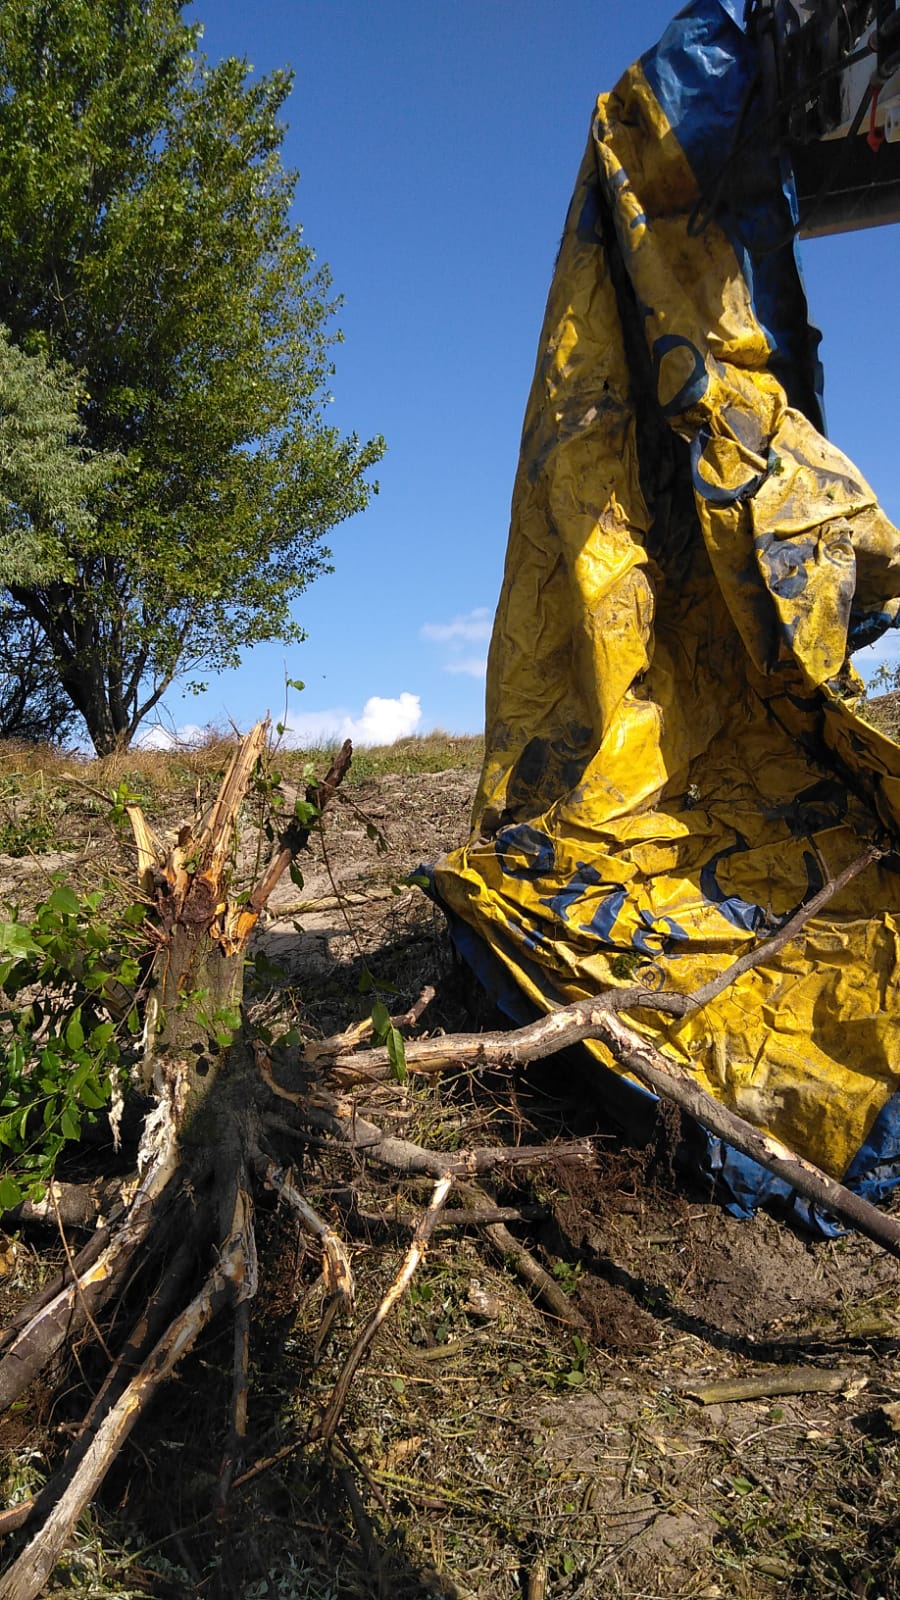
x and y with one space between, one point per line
70 1262
323 1427
318 1050
793 1380
240 1385
296 835
362 1523
337 1273
266 1463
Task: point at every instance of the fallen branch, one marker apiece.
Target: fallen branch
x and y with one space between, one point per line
794 1380
26 1579
572 1024
323 1427
337 1273
597 1018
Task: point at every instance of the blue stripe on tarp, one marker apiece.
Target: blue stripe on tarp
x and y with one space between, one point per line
867 627
875 1169
700 72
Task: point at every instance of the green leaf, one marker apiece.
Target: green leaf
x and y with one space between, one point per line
92 1096
70 1123
396 1050
296 875
75 1031
305 812
381 1019
64 900
10 1193
16 941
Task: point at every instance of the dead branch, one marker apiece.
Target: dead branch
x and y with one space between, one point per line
58 1319
229 1281
597 1018
572 1024
337 1272
766 1386
323 1427
474 1216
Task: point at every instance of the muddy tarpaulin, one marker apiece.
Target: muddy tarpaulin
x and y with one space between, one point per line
676 756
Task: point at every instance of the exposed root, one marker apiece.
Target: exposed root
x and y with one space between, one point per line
337 1273
83 1297
514 1254
324 1426
240 1392
231 1281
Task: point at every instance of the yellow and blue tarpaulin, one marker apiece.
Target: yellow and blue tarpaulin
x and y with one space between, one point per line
676 756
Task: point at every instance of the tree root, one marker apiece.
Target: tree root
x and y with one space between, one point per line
231 1281
323 1427
83 1297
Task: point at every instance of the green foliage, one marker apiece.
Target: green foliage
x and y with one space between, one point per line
146 241
385 1033
60 1050
29 816
46 475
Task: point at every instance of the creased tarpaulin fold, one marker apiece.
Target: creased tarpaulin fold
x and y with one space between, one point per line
675 756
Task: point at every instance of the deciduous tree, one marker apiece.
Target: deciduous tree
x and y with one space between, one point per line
146 240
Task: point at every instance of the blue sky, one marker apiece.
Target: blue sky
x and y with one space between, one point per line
437 147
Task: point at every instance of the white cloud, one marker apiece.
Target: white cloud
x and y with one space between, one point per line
382 721
457 638
469 629
157 737
471 666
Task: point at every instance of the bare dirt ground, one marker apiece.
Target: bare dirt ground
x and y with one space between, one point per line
486 1450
